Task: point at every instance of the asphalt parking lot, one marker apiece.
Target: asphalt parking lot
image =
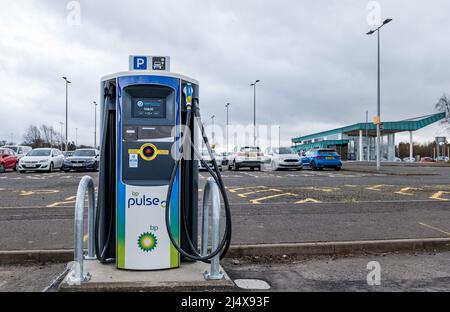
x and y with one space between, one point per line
36 209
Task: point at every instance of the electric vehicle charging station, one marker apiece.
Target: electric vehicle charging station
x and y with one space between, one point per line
147 210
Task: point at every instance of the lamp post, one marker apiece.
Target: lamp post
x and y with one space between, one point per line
67 107
61 133
378 119
76 138
212 134
227 105
254 110
95 124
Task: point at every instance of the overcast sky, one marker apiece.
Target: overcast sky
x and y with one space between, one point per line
316 65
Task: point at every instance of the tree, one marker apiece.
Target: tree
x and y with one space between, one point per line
443 106
49 135
33 137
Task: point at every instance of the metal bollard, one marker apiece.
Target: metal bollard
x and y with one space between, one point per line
211 192
77 275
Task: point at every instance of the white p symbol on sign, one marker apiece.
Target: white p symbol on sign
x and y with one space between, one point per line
140 62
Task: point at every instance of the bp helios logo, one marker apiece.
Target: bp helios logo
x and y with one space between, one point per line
143 200
147 241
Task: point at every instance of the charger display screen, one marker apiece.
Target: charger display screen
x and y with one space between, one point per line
149 108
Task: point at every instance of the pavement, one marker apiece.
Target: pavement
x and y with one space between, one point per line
398 272
423 271
36 210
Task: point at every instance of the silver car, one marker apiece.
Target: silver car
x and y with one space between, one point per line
282 158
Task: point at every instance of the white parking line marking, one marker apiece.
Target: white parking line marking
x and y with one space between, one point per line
434 228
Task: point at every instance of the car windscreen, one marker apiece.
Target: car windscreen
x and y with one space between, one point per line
84 153
14 148
250 149
38 152
284 150
332 152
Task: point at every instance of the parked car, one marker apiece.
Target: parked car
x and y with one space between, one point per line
83 159
427 160
322 158
442 158
282 158
407 159
248 156
207 158
8 159
225 158
20 150
41 159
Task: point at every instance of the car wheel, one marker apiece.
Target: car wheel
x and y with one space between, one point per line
259 168
50 169
313 166
337 168
22 171
2 168
235 166
16 167
252 168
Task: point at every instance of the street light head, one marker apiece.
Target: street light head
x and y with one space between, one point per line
257 81
370 32
387 21
65 78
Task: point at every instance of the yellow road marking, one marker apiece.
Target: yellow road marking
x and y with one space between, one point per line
434 228
404 191
376 187
260 191
258 200
308 200
234 190
61 203
438 195
326 189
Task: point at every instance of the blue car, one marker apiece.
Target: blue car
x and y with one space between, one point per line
322 158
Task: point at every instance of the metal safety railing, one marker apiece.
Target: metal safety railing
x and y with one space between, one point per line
211 193
77 274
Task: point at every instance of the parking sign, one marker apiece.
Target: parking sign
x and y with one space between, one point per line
139 62
156 63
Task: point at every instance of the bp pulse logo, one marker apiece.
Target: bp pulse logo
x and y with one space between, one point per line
138 200
140 103
147 241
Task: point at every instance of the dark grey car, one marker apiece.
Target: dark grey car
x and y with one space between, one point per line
83 159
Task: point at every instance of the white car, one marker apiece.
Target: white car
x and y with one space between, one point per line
407 159
248 156
282 158
20 150
41 159
208 161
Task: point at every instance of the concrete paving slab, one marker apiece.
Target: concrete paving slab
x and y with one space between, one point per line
189 277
